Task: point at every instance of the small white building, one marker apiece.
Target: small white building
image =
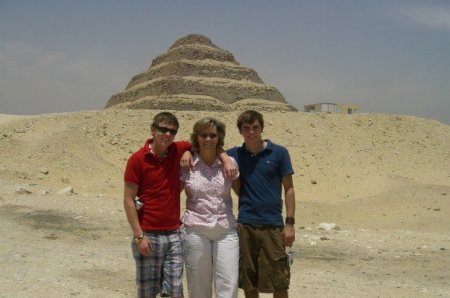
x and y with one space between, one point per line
332 108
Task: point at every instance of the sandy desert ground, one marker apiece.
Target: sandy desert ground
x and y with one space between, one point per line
383 180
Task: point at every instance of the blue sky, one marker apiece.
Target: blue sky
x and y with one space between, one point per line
387 56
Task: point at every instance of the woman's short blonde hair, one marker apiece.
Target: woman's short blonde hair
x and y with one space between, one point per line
203 124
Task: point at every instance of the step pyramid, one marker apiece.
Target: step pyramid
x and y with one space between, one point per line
195 74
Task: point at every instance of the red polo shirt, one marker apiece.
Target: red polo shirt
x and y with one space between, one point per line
159 185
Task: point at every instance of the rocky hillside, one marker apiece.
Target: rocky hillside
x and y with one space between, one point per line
336 157
372 202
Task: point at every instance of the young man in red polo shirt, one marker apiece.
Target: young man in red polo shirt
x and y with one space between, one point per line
152 174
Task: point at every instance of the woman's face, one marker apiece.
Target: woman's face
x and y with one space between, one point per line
208 138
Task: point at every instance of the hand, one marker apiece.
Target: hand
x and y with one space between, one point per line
144 246
289 235
229 169
186 159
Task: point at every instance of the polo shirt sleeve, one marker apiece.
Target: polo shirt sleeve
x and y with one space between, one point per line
286 165
232 152
183 146
132 170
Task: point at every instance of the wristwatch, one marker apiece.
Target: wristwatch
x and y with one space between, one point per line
290 220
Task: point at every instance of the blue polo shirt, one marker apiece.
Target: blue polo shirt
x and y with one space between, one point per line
260 197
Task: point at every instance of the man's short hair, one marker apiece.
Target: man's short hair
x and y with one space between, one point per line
203 124
165 117
249 117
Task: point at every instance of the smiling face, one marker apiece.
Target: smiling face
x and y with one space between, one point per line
163 135
164 128
207 139
252 133
251 125
207 130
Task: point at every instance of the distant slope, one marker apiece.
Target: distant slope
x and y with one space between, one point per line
336 157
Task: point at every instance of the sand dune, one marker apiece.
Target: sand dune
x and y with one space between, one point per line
384 180
6 118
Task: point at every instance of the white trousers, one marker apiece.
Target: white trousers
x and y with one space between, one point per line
211 256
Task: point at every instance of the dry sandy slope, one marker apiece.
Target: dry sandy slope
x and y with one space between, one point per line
383 179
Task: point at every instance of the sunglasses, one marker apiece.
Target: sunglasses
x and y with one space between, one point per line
164 130
204 135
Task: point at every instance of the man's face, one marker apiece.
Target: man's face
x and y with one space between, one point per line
252 132
163 134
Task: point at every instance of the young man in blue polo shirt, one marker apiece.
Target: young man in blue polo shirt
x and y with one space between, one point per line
265 169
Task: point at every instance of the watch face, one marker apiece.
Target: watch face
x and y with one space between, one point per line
290 220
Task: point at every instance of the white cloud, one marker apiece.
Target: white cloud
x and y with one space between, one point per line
431 17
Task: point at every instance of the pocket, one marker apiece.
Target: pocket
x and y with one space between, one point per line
281 274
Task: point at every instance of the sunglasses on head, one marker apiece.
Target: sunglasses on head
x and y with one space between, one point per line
164 130
204 135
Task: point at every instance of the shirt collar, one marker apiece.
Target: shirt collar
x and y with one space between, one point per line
269 147
196 159
148 150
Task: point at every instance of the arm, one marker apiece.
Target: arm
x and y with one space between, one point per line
289 195
130 192
186 159
229 168
181 186
236 185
